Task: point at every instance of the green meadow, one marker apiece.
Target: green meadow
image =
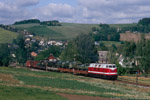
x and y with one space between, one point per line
17 83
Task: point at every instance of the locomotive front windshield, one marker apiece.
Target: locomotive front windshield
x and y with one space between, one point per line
112 66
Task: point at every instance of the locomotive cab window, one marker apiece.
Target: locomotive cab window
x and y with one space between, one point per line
114 66
99 66
110 66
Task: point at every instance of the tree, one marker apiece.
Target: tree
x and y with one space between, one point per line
21 51
129 50
143 55
87 52
81 49
4 55
112 58
144 21
70 52
103 47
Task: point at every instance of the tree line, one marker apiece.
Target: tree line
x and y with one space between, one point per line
36 21
143 26
105 33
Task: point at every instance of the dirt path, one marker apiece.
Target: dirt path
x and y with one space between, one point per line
83 97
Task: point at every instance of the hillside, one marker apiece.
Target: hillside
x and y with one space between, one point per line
7 36
66 31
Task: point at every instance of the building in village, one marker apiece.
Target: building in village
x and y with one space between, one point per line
103 57
51 58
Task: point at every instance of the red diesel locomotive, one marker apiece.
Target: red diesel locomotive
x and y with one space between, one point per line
108 71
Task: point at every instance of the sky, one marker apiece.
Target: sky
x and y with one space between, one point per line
75 11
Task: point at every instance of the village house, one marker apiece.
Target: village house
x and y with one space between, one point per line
41 43
51 58
103 57
33 54
55 43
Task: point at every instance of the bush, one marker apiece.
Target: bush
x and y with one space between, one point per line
121 70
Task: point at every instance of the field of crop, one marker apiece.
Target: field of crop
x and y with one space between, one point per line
7 36
40 85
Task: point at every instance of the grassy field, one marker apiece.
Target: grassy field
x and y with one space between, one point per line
123 25
39 85
7 36
23 93
110 43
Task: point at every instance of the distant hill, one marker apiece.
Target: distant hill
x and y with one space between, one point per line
7 36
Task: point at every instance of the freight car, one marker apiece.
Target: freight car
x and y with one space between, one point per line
107 71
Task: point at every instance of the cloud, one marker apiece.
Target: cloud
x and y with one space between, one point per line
114 11
56 11
86 11
26 3
10 12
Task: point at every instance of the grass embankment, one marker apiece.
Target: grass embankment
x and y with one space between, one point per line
53 82
7 36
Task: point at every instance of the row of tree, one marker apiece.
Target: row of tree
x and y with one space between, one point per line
34 21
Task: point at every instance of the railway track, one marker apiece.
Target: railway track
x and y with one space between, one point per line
132 83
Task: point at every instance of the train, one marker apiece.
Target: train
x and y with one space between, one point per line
105 71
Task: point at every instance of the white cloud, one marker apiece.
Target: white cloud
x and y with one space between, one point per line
56 11
10 12
87 11
26 3
114 11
